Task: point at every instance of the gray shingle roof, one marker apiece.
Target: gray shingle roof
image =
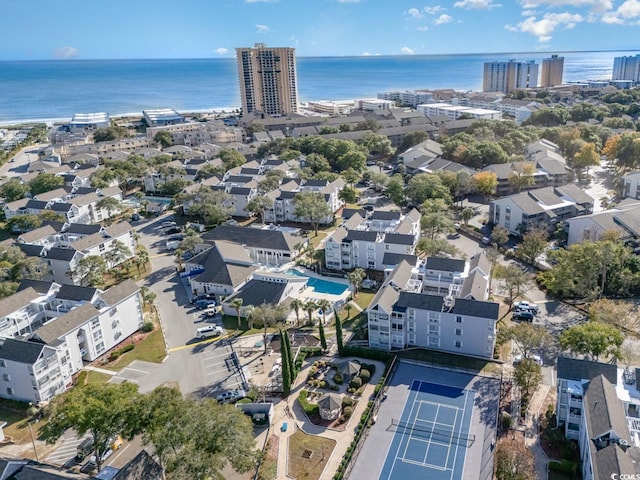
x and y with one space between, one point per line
141 467
396 258
399 239
361 236
39 286
76 293
217 271
578 370
257 292
445 264
66 323
119 292
603 409
63 254
20 351
385 215
16 301
253 237
475 308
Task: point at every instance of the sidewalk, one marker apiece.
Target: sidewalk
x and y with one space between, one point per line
532 438
290 411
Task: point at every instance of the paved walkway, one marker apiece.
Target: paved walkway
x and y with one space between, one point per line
532 437
290 411
100 370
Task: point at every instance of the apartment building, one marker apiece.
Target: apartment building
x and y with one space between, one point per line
626 68
631 187
544 173
402 316
371 242
48 331
598 405
162 116
268 80
509 76
88 122
541 208
198 133
624 219
455 111
552 71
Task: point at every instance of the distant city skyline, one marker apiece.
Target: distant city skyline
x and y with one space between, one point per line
207 29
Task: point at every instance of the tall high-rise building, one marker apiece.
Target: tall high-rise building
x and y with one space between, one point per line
509 76
552 70
268 80
626 68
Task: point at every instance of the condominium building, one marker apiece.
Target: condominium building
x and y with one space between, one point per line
552 69
626 68
268 80
509 76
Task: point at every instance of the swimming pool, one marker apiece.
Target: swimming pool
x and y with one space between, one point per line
319 285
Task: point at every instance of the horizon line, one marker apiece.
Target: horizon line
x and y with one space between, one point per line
548 52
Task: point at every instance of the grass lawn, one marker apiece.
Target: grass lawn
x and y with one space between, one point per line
484 367
230 323
316 239
151 349
17 426
97 377
308 468
364 299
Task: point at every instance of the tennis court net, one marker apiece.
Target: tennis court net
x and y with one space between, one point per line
448 436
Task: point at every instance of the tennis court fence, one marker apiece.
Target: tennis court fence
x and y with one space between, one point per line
448 436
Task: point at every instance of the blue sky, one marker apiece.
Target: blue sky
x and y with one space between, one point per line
89 29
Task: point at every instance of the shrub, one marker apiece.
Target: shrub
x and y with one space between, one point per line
364 352
507 421
113 356
252 394
244 400
147 327
351 390
347 401
127 348
565 466
311 351
370 367
364 375
322 384
347 412
335 387
338 379
356 382
309 409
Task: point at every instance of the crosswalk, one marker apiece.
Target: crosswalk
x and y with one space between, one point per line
67 451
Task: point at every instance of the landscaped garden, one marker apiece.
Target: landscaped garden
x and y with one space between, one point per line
308 455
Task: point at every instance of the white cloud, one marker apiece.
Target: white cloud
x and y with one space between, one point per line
528 13
262 28
442 19
544 27
369 54
477 4
629 10
222 51
434 10
66 52
593 5
414 13
406 51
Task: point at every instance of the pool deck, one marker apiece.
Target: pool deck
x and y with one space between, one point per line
310 294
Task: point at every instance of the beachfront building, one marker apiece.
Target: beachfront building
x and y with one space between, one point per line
197 133
401 315
456 111
598 405
374 104
268 80
541 208
88 122
509 76
626 68
48 331
408 98
162 116
552 71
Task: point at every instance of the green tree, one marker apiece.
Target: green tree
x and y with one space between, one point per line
514 462
90 271
522 175
311 207
270 315
411 139
110 204
236 304
594 339
349 194
13 190
515 280
351 176
117 254
527 376
163 137
324 305
297 305
45 182
287 344
467 214
339 334
356 277
102 410
436 247
529 338
426 186
318 163
142 258
259 204
212 207
323 338
378 145
586 157
499 235
190 243
286 372
231 158
379 180
109 133
51 216
24 223
395 189
533 244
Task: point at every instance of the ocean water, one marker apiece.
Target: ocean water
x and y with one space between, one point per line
58 89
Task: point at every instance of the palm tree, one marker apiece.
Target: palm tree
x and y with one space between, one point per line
324 305
142 258
310 307
147 295
236 304
356 278
296 306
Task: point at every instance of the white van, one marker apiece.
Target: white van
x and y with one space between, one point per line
209 331
211 311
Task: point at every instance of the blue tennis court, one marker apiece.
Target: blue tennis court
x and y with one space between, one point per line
432 434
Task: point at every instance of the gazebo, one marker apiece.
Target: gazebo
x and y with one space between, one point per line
330 406
349 369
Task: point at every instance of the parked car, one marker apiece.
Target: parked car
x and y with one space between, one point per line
209 331
536 358
486 240
524 306
168 224
521 315
135 217
84 449
231 396
172 230
203 303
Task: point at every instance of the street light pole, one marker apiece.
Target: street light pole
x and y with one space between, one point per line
33 441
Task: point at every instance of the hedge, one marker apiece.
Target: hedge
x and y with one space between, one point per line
365 352
564 466
309 409
147 327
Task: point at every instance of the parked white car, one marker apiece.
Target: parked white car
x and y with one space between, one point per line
536 358
231 396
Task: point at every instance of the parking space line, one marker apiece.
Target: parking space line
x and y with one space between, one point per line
191 345
126 379
217 355
135 370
